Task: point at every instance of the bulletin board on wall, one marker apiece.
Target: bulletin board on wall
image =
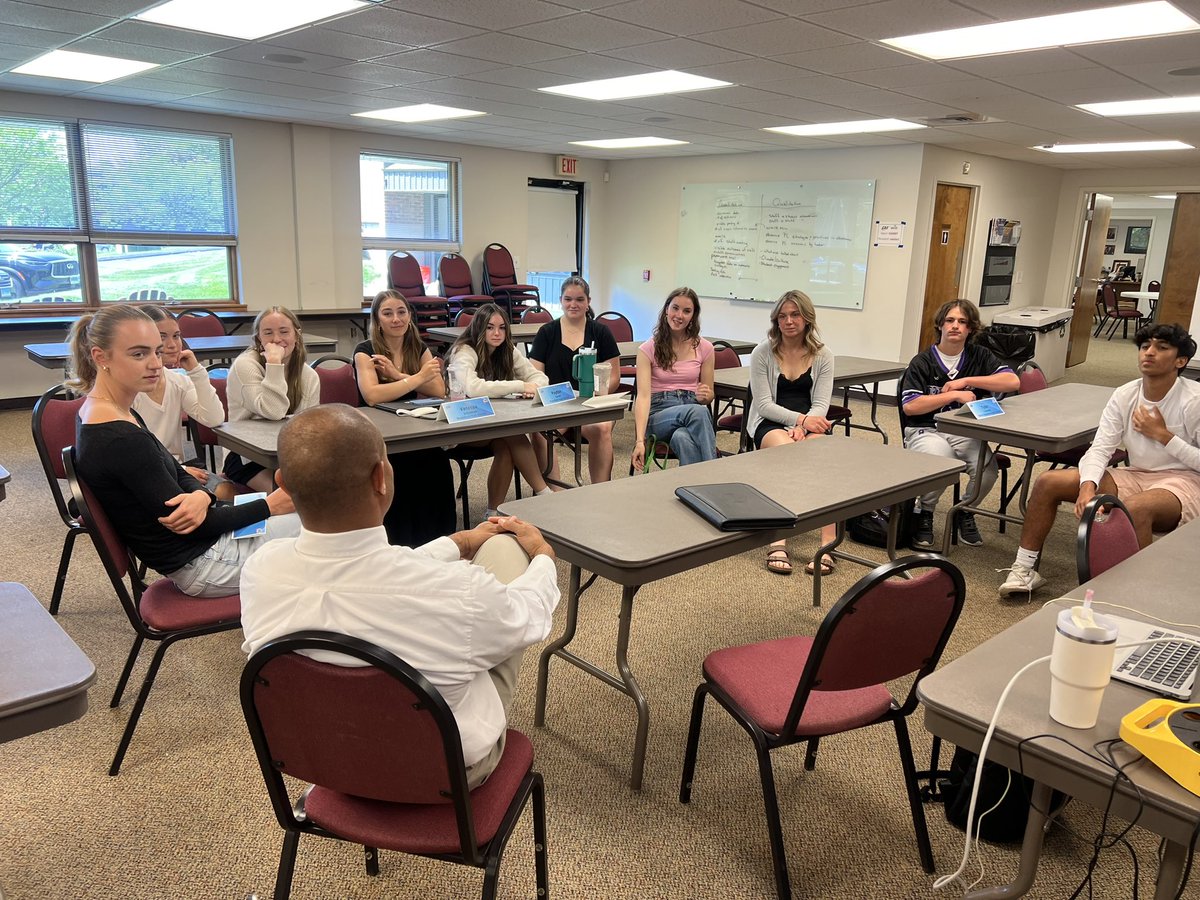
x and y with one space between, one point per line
758 240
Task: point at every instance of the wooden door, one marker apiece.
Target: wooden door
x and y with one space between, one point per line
1087 280
947 249
1181 271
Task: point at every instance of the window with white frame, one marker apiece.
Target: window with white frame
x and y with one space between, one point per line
95 212
408 203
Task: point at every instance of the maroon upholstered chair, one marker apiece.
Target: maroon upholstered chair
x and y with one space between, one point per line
622 330
404 275
382 751
1102 542
732 416
1117 311
204 439
158 611
500 280
197 322
464 317
801 689
535 315
458 285
53 427
338 384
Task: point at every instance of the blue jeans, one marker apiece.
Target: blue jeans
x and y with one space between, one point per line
678 420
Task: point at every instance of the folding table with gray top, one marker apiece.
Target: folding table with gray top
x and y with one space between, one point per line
629 349
960 699
1048 421
55 355
634 530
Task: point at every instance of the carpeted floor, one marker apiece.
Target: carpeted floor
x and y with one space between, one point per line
188 815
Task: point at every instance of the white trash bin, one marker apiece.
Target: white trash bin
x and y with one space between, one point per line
1053 326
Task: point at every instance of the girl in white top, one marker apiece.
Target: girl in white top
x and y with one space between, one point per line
495 367
269 381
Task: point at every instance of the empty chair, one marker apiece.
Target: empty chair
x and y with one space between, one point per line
463 319
158 611
730 417
337 381
457 284
1106 536
197 322
1154 286
1117 310
381 750
405 276
204 439
801 689
500 280
53 429
622 330
535 315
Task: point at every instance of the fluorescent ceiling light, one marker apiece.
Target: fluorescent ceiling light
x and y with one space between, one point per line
1163 196
1156 107
1113 23
422 112
82 66
626 143
1115 147
649 85
865 126
246 19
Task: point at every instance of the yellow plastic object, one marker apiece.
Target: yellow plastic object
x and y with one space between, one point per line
1167 732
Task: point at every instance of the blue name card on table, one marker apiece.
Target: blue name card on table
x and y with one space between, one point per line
465 410
555 393
985 408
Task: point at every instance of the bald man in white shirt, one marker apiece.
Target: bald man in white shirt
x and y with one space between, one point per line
460 609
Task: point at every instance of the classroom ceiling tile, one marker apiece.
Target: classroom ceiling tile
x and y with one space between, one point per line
28 15
124 93
172 38
493 16
402 27
892 18
774 37
505 48
753 72
113 8
374 73
437 62
590 66
160 55
700 15
283 57
584 31
677 53
337 43
845 58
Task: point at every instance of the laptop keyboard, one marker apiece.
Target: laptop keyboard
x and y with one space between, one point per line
1169 664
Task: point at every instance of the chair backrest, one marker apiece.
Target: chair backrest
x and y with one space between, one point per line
724 356
455 274
1032 377
109 545
338 383
379 731
53 426
1154 286
463 319
196 322
404 274
534 315
621 327
498 267
1110 297
882 629
1101 542
204 436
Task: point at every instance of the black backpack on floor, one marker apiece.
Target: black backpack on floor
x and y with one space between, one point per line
872 528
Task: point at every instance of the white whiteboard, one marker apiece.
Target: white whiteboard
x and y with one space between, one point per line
758 240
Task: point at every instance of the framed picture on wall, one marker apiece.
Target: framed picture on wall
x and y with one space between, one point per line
1110 249
1137 239
1118 265
1112 234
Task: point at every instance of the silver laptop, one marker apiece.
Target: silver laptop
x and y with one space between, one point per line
1166 668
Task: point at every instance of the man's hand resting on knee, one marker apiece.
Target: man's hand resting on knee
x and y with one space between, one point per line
1087 490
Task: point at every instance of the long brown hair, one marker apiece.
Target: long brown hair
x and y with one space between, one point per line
812 343
494 365
95 330
295 362
664 349
411 347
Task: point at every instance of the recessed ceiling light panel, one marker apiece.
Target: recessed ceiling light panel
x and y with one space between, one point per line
864 126
82 66
246 20
1115 147
421 112
1158 106
1063 30
649 85
629 143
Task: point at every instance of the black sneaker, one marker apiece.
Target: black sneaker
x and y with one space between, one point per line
922 534
968 531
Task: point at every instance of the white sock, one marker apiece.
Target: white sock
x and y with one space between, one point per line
1027 558
545 490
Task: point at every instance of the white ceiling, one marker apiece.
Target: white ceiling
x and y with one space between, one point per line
792 61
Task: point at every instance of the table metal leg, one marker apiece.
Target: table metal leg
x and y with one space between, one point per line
968 502
1170 871
626 684
830 548
1031 850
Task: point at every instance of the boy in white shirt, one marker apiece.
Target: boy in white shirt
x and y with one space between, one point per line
1157 419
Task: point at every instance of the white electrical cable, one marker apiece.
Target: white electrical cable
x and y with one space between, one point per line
982 816
1131 609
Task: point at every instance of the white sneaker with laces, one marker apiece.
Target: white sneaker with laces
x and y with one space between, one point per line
1021 580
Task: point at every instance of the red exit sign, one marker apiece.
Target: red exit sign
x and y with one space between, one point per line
567 165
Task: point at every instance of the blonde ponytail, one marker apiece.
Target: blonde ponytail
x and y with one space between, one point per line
94 330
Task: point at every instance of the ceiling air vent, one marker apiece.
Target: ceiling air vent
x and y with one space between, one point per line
966 118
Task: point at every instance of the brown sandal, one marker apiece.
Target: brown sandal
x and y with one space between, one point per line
779 565
828 564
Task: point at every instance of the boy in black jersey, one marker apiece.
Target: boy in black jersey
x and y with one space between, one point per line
950 373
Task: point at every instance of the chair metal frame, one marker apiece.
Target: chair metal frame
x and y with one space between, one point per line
1088 522
291 815
52 465
118 564
809 680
